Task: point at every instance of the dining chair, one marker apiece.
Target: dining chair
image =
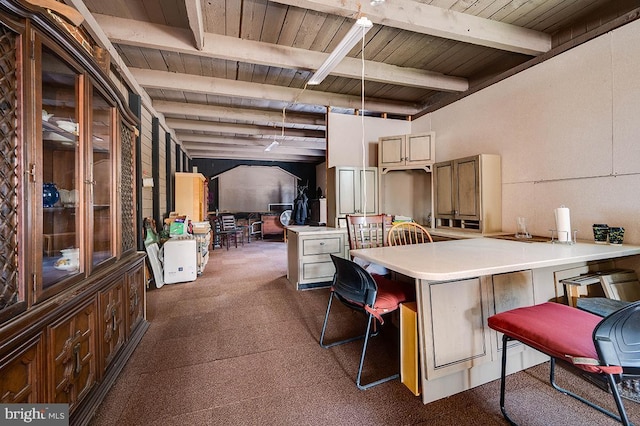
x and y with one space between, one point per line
404 233
356 288
366 231
229 230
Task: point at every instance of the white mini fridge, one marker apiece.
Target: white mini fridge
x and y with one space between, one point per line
180 262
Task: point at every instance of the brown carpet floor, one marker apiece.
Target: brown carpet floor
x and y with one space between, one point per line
239 346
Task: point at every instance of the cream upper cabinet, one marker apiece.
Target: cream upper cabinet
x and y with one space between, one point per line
468 194
406 151
351 190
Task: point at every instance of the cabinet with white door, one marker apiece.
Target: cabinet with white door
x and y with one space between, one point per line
406 151
351 190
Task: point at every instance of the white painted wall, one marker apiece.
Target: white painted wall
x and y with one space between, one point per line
567 130
345 144
259 186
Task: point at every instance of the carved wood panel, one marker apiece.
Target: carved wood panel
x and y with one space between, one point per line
20 372
135 296
72 356
112 322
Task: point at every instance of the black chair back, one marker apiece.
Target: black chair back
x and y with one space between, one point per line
353 284
617 339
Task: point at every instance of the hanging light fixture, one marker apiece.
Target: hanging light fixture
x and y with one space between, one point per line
355 34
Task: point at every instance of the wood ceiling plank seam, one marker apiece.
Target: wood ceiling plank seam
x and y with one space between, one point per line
274 16
233 19
568 11
214 17
403 57
330 27
495 10
384 43
291 25
175 13
253 19
191 64
173 61
544 12
154 12
514 10
309 28
154 59
244 71
133 57
260 74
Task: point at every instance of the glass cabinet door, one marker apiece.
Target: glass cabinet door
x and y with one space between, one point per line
101 134
61 171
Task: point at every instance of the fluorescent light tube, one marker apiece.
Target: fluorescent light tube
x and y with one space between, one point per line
272 145
355 34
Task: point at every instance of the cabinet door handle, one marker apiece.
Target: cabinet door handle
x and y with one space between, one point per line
77 368
114 321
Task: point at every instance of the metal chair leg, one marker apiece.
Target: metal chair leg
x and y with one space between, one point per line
366 337
503 374
364 351
622 418
324 329
614 390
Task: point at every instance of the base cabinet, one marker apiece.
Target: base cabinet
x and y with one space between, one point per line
112 322
72 349
309 263
72 356
19 372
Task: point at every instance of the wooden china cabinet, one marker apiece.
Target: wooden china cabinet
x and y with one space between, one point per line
72 292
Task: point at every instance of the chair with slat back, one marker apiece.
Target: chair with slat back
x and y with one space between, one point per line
404 233
366 231
230 230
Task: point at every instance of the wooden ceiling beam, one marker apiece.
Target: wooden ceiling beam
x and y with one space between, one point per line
285 149
264 117
154 36
196 21
165 80
423 18
258 155
242 129
197 138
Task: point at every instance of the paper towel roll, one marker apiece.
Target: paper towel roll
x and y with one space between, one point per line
563 224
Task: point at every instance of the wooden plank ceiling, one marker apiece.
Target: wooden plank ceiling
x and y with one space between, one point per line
229 76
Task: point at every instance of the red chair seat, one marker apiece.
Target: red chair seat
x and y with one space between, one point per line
557 330
391 294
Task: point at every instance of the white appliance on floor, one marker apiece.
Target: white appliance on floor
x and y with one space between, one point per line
180 261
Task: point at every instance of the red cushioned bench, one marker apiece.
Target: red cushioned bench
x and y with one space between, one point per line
580 338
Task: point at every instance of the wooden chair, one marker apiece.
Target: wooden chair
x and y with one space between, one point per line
404 233
230 231
366 231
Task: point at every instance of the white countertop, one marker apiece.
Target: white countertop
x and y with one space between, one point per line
308 230
460 259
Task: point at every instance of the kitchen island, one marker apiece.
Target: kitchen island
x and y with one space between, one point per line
460 283
309 248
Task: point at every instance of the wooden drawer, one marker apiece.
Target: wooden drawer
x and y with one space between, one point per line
318 271
319 246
